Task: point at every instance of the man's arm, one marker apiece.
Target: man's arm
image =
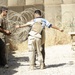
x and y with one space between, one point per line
2 30
25 25
5 31
48 24
54 27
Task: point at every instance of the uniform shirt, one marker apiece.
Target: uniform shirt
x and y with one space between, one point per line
2 25
42 20
1 19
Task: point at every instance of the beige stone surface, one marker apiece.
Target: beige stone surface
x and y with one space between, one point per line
16 2
17 8
74 1
68 12
30 2
12 2
21 2
3 2
50 2
68 1
40 6
39 1
52 13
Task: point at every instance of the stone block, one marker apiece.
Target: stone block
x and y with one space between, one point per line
39 1
16 2
30 2
21 2
17 8
68 13
50 2
3 2
40 6
67 1
74 1
53 13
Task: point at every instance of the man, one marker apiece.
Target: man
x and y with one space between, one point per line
35 38
3 31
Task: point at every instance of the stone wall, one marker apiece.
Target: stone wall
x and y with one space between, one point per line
58 12
39 1
20 2
33 2
68 1
53 13
16 2
51 2
62 14
3 2
30 2
20 5
68 12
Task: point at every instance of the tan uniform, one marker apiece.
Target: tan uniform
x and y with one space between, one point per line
34 43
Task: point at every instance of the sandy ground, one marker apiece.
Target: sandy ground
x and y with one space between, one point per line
60 60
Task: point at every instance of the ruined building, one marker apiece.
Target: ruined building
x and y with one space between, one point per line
58 12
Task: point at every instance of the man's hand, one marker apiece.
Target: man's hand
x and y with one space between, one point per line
17 26
7 32
61 30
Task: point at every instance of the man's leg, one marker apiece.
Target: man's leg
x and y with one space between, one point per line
43 53
3 60
43 45
40 57
31 46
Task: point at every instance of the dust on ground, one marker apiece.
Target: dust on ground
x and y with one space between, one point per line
60 60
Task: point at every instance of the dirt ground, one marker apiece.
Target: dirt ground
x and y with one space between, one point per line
60 60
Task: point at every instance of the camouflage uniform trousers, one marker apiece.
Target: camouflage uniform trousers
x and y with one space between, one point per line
3 60
34 44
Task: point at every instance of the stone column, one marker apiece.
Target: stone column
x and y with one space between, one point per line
53 15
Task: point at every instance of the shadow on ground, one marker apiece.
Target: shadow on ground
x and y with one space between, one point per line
55 65
14 63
